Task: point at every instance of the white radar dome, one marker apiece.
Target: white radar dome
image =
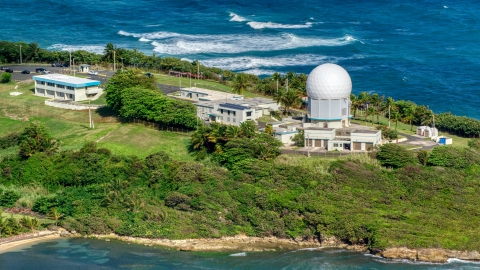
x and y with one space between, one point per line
329 81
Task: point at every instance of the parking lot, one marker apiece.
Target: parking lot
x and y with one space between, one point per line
18 76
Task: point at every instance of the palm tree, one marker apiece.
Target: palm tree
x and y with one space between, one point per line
288 99
396 117
55 214
232 132
33 50
355 104
409 116
240 84
371 111
109 52
30 223
364 98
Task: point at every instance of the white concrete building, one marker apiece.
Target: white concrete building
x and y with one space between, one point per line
327 123
200 94
59 86
234 112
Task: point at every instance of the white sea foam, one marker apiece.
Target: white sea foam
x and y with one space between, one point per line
142 39
454 260
241 254
237 18
272 25
259 72
193 44
89 48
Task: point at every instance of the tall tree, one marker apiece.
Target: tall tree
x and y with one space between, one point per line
240 84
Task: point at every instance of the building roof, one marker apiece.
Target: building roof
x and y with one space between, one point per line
319 128
248 102
66 80
211 95
234 106
366 131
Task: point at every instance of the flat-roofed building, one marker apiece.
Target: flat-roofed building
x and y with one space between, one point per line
201 94
234 112
60 86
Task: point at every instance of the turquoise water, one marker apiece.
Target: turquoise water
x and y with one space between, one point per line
95 254
426 51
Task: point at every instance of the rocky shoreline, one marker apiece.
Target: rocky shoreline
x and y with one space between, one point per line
243 243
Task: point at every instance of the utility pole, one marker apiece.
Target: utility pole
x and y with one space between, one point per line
89 113
389 116
74 67
114 64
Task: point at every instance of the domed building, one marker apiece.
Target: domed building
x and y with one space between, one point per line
329 87
327 124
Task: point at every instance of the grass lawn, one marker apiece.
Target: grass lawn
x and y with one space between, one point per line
71 128
102 100
186 82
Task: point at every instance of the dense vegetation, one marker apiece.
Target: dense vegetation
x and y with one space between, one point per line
355 199
134 95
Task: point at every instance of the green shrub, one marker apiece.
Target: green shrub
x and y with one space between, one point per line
43 204
8 198
6 77
422 156
9 140
450 156
394 155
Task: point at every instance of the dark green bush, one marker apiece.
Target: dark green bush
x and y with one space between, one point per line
43 204
450 156
8 198
394 155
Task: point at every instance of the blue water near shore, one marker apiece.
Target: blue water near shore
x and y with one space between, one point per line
95 254
425 51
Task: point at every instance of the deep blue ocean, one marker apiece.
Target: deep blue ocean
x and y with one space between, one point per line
425 51
83 254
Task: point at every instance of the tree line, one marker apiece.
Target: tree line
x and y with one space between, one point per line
131 94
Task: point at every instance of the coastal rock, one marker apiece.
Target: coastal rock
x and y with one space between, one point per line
64 233
435 255
186 248
464 255
400 253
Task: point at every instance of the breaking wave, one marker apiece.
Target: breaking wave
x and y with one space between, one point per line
272 25
237 18
175 44
89 48
241 254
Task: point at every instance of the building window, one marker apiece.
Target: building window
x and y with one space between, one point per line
228 119
197 95
50 84
335 145
228 112
249 113
233 120
344 111
221 111
60 86
233 113
70 88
